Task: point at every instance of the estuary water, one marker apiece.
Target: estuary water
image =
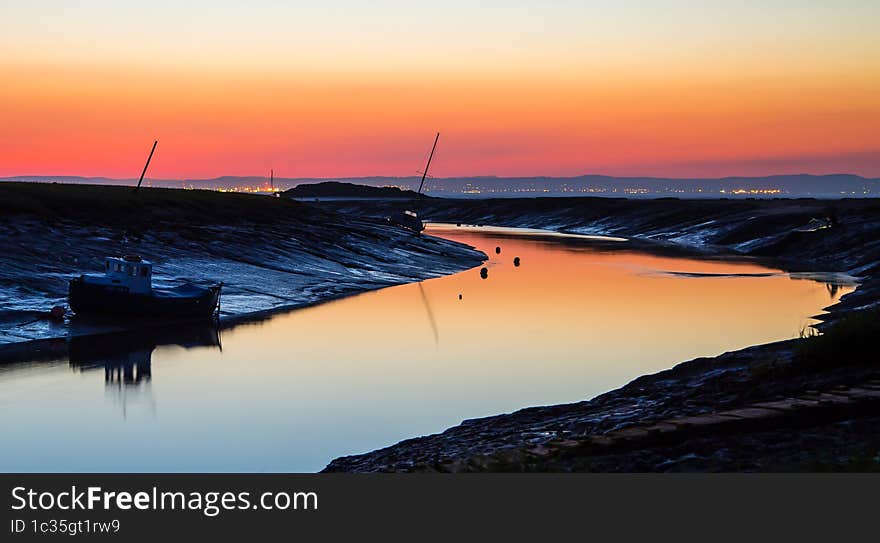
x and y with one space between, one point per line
578 316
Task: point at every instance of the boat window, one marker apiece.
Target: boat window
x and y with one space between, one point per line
144 271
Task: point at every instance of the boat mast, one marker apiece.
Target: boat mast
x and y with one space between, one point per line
272 180
149 158
428 165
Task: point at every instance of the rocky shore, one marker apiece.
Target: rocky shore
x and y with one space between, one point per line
271 254
800 405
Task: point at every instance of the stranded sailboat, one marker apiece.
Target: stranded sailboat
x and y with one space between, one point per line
408 218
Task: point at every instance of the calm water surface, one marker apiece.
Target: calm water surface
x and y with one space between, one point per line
577 318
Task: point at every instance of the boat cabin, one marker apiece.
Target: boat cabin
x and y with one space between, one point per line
129 272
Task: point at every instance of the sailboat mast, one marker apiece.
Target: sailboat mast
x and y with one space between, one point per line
428 165
147 165
272 180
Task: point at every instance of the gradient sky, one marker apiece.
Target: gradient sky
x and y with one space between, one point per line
346 88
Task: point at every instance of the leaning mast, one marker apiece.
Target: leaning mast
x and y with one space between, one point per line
428 165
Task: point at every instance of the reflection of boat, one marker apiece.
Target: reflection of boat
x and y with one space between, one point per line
126 357
126 289
409 218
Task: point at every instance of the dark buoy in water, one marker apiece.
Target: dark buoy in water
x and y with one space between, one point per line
497 250
484 273
459 296
516 261
458 224
57 313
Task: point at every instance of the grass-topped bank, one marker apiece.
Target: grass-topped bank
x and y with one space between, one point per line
118 205
270 253
851 341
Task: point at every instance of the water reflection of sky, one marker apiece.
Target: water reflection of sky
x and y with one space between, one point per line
352 375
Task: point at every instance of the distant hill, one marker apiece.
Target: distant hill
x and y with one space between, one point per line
338 189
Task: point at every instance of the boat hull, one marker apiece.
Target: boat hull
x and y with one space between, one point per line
409 222
101 300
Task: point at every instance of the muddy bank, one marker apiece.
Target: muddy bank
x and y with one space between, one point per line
775 407
271 253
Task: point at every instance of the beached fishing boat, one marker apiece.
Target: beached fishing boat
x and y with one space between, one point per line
125 289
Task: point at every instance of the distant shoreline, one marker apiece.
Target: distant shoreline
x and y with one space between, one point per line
838 185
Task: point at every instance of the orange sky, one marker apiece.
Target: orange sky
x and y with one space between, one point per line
530 89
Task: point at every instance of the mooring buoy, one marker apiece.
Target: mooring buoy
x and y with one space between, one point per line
484 273
516 261
497 250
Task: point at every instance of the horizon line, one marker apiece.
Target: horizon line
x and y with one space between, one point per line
487 176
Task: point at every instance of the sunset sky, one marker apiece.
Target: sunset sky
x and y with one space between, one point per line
351 88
